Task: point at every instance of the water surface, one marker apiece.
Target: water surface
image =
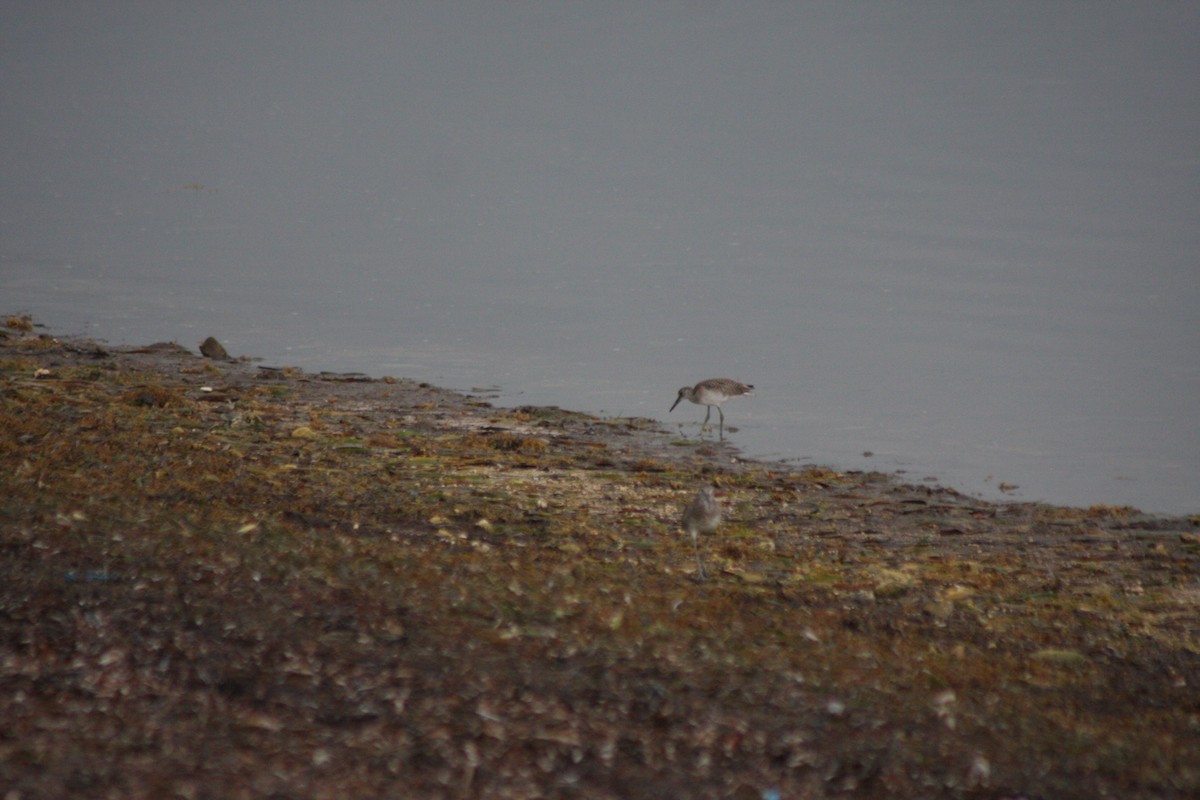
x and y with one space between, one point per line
961 237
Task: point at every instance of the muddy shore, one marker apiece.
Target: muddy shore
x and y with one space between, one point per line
226 579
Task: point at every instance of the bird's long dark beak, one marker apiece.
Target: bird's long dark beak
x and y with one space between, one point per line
672 408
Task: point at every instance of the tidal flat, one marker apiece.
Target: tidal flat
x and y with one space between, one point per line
226 579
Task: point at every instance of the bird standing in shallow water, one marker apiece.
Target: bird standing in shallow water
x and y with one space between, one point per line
702 515
712 392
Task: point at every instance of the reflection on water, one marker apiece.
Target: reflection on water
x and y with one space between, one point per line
960 239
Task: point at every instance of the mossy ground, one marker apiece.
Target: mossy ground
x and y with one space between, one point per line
224 581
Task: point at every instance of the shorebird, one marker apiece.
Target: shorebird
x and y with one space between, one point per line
712 393
702 515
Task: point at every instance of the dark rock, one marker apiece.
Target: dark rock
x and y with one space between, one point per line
211 348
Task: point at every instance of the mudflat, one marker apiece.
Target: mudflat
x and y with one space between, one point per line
220 579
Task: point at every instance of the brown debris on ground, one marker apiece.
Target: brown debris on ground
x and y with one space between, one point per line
223 581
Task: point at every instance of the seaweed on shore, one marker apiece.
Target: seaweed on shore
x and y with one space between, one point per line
219 580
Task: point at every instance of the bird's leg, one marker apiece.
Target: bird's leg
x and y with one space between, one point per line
707 414
700 573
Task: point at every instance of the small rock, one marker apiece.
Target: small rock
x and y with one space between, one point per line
211 348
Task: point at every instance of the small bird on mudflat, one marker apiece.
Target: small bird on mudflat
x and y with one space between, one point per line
712 393
702 515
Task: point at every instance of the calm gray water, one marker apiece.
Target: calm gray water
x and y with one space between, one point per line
963 237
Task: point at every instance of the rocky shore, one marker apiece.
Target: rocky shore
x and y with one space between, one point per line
227 579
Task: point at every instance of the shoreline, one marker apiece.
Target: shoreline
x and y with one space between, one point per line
271 581
657 437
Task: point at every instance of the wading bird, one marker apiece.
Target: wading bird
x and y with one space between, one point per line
702 515
712 393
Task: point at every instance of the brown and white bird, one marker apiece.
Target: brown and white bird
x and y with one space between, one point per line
712 393
702 515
